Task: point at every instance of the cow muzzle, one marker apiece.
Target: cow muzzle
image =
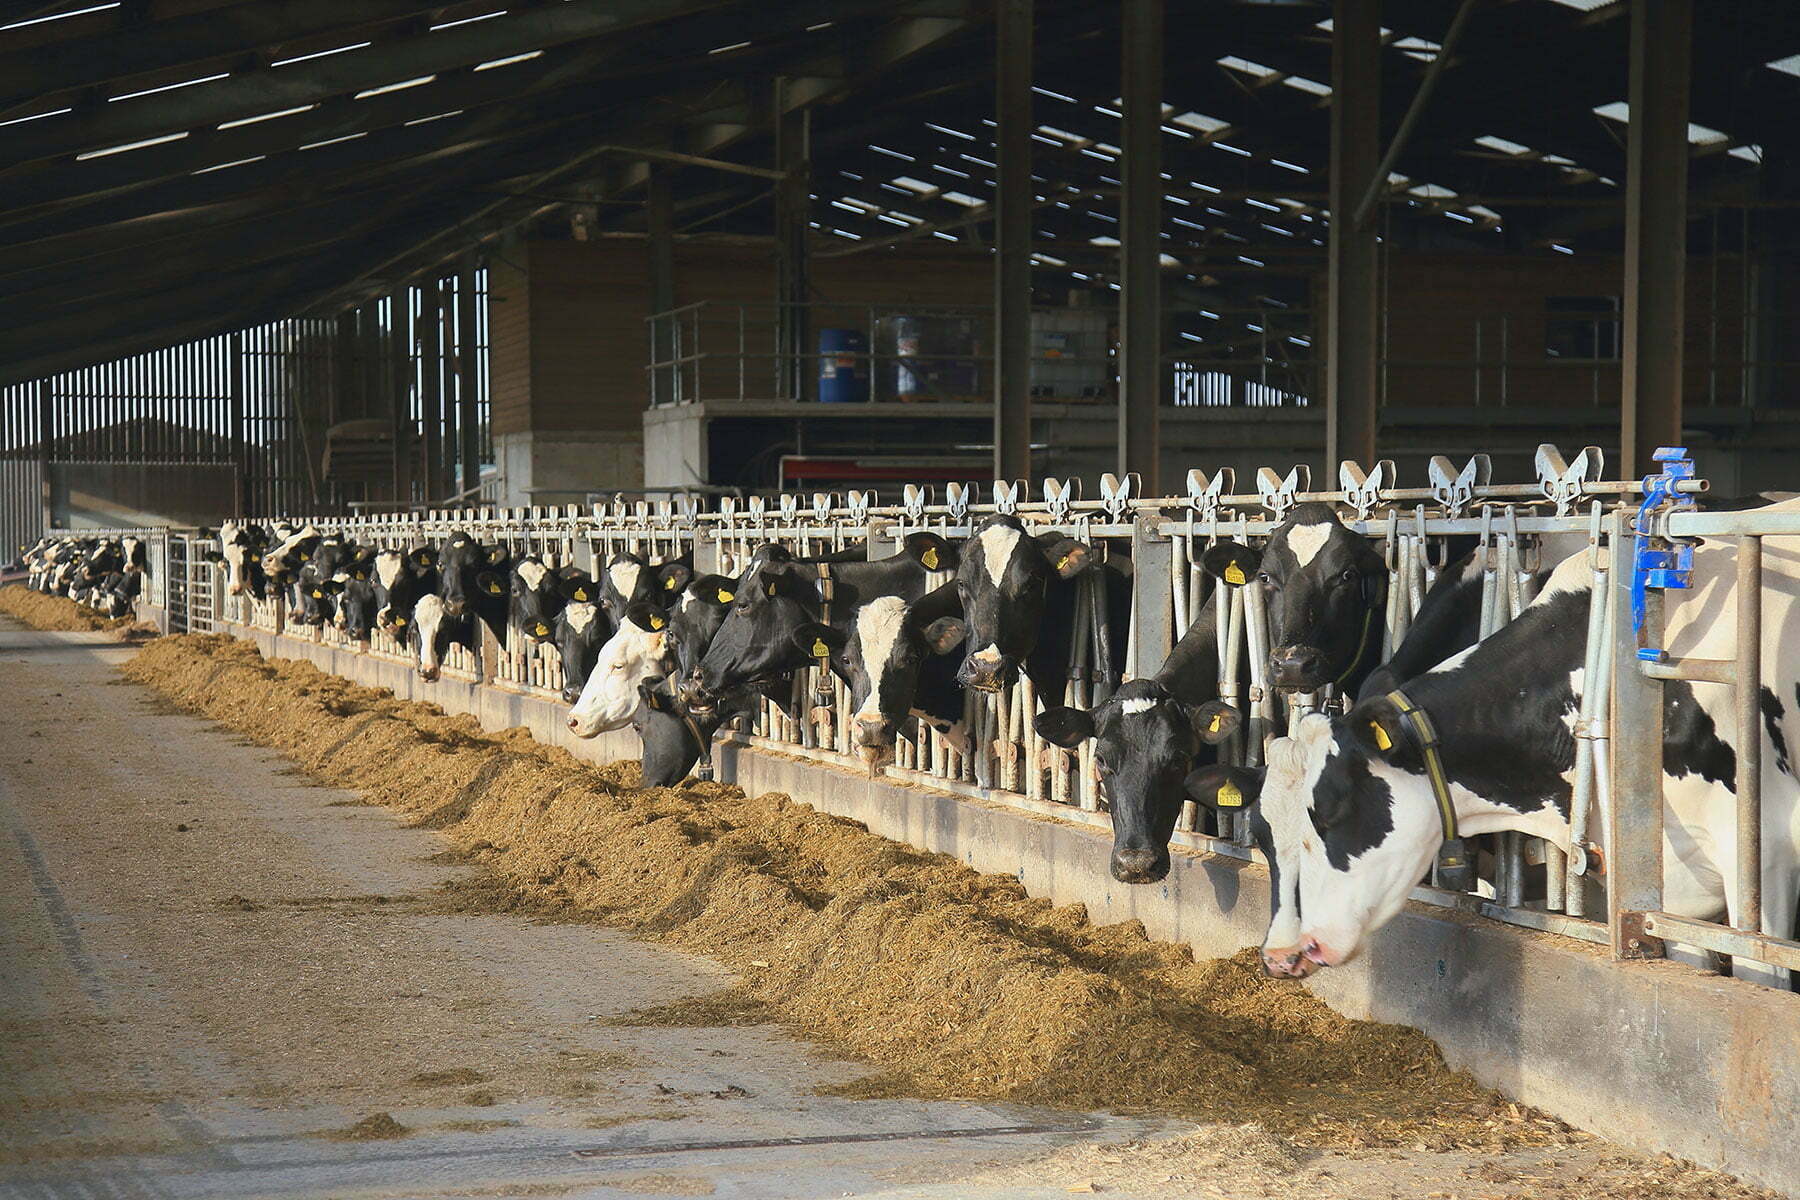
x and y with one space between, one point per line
455 608
1140 866
1298 962
571 694
1297 668
428 674
986 671
694 695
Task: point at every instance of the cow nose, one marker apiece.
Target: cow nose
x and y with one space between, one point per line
570 695
1132 865
982 676
1299 667
454 607
872 730
1284 963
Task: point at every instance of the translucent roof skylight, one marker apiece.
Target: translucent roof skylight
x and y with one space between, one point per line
1246 66
1502 144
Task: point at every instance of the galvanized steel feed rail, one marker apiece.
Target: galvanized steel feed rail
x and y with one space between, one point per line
1165 537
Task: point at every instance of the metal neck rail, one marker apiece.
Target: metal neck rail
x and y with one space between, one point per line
996 754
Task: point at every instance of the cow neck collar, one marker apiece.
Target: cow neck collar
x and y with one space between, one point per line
1452 858
1362 648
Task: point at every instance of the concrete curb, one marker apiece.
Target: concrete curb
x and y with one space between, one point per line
1655 1056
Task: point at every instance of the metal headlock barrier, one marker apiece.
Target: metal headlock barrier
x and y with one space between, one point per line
1518 530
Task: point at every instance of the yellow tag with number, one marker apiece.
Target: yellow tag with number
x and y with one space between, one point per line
820 649
669 583
1234 573
929 558
541 629
493 587
726 597
581 595
657 622
317 594
1062 564
771 589
1382 740
1218 723
1229 796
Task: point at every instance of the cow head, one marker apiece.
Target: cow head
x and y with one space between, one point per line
354 584
432 631
317 596
759 638
473 577
1145 744
627 580
696 618
291 552
889 641
637 651
1326 589
537 597
579 630
400 579
241 551
1002 578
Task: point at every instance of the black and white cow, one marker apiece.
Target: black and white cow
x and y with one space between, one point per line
1019 598
241 550
760 639
636 653
1350 824
1326 590
628 579
895 660
672 737
402 579
473 581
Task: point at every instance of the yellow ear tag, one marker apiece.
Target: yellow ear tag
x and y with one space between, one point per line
726 597
399 621
1382 740
317 594
359 576
541 629
1063 562
1217 721
771 589
929 558
1234 573
1229 796
581 595
657 622
820 649
669 583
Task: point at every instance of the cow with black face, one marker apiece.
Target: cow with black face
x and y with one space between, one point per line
1018 602
1353 821
473 581
628 579
761 638
318 603
241 550
352 587
537 596
673 738
695 619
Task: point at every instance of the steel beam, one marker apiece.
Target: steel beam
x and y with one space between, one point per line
468 375
1012 239
401 369
1655 230
431 396
1353 301
793 211
1140 244
1365 208
659 224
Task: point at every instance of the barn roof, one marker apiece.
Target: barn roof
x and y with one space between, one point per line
175 168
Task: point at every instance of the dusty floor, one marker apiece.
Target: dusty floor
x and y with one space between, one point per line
224 980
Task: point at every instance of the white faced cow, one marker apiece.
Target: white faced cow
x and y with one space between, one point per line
1347 815
637 652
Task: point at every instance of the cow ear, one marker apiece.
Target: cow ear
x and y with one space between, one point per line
647 617
1383 731
1065 727
930 551
211 556
497 555
1232 562
1068 557
1224 789
1215 721
944 635
717 590
674 577
490 583
578 587
771 583
819 641
538 631
332 587
655 699
424 556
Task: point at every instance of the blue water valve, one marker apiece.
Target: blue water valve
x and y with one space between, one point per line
1658 562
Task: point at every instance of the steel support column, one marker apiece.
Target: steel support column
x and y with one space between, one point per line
1140 244
431 398
659 223
468 375
1012 240
400 389
240 433
46 431
793 211
1353 302
1655 230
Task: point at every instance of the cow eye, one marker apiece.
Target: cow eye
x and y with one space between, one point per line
1350 575
1263 577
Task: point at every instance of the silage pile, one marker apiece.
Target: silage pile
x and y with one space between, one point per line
60 614
952 982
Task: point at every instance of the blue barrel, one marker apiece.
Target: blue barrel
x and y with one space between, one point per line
843 366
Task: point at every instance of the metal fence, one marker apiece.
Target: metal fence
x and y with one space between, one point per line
1165 538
